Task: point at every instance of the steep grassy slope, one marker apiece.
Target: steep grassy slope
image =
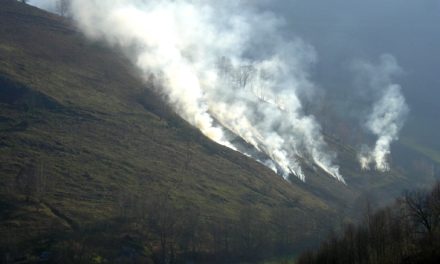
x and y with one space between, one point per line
77 113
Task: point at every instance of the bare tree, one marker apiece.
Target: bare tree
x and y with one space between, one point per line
63 7
239 77
407 232
245 75
164 220
191 231
420 212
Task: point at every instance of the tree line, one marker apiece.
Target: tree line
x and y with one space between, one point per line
406 232
155 227
159 232
181 234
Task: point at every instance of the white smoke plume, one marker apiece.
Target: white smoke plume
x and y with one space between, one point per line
224 67
388 113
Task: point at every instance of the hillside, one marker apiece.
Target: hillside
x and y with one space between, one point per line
78 111
84 143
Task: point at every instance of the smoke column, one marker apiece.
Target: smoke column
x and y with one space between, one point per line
224 68
388 113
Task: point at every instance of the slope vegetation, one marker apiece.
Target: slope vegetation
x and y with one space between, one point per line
86 144
81 134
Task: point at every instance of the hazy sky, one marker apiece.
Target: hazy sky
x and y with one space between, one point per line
344 30
45 4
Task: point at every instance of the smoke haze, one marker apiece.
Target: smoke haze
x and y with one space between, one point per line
239 66
388 113
221 65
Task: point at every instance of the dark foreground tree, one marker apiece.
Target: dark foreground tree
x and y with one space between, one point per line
406 232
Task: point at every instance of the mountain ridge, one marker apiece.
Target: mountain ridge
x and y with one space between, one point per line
77 112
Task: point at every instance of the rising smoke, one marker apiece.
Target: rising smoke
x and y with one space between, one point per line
388 113
224 67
